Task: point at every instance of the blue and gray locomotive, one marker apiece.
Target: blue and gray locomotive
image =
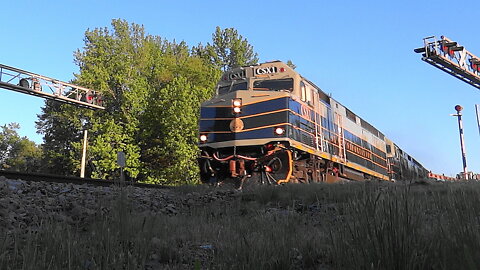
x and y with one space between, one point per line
268 122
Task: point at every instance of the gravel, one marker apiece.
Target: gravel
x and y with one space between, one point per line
24 204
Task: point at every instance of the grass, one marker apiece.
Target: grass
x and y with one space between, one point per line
319 226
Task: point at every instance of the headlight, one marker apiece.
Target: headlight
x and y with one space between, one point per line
237 104
279 130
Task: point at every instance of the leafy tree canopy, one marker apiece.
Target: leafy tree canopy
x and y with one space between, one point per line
291 64
228 50
152 93
18 153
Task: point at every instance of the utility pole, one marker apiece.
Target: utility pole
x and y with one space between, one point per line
84 154
459 109
477 109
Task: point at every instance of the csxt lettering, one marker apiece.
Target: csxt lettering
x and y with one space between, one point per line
267 70
237 75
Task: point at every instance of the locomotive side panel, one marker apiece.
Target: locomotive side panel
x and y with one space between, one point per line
363 145
401 165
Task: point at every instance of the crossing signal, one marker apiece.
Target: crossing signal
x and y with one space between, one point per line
475 64
90 96
24 83
99 100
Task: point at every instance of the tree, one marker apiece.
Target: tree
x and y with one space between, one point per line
18 153
170 123
152 91
148 84
291 64
171 135
60 125
109 63
228 50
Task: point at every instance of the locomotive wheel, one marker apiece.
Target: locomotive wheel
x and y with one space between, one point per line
255 180
210 172
245 182
205 172
280 164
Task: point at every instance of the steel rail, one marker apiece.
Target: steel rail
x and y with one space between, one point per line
52 178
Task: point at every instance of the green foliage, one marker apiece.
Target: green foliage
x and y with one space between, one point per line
152 92
18 153
171 133
291 64
169 125
228 50
60 125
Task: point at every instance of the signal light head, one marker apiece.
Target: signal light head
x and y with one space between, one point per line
279 131
420 50
90 96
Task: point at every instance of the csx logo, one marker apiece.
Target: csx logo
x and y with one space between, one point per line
237 75
267 70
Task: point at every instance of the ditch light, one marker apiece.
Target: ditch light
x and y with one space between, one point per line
279 131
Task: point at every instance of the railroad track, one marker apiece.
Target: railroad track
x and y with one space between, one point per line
38 177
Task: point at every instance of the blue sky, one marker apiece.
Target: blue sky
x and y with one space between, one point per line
361 52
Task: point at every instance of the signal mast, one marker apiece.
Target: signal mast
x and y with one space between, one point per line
455 60
41 86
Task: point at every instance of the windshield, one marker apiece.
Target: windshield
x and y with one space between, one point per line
274 85
225 89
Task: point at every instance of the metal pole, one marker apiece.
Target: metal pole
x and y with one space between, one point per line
84 153
477 109
459 109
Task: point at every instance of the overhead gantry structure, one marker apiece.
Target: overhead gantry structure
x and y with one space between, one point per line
452 58
455 60
41 86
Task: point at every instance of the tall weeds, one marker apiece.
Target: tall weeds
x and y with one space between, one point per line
405 227
336 226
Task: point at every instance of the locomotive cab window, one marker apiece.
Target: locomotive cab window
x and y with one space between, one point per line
231 88
307 93
303 90
274 85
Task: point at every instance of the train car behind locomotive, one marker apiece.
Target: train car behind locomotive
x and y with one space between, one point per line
269 122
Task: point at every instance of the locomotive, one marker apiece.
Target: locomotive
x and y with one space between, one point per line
269 124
